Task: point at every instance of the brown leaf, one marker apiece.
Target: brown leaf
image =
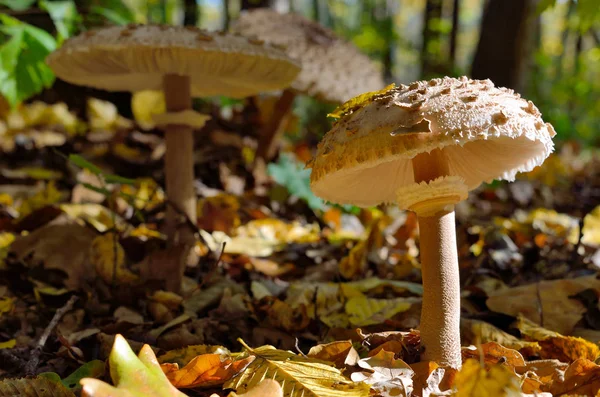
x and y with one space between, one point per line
340 353
494 353
582 378
39 386
559 311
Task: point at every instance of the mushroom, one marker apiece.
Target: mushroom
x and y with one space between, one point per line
183 62
424 146
333 70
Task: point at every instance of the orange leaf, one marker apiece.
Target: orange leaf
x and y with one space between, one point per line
581 378
205 370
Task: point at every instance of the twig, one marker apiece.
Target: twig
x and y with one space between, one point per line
206 279
37 351
298 349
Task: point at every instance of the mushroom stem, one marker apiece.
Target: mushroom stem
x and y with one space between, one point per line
179 165
273 129
440 313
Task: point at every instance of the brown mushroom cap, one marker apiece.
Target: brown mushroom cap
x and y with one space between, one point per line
485 132
332 69
136 57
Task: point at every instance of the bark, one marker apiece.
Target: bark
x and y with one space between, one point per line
252 4
190 13
506 42
429 63
454 32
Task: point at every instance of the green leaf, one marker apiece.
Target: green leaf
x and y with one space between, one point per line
92 369
133 376
543 5
23 71
114 11
108 178
17 5
64 15
290 173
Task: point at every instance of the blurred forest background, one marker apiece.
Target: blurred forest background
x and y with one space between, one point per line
548 50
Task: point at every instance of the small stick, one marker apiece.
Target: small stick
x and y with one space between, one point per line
34 361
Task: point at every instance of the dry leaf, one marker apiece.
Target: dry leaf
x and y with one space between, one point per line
40 386
386 375
299 376
340 353
475 380
206 370
560 312
184 355
108 257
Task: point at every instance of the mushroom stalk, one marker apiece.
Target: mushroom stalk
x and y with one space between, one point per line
272 131
179 164
440 313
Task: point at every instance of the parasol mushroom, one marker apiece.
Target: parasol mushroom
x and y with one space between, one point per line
333 70
183 62
424 146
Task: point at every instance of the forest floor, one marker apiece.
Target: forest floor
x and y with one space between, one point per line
338 287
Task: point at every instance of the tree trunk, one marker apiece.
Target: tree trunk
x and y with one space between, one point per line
506 42
429 63
454 33
190 17
251 4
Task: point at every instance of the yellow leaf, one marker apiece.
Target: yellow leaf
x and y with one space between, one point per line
103 115
476 332
591 228
108 257
363 311
6 200
358 102
299 376
555 345
145 194
6 240
145 104
47 196
475 381
266 388
9 344
6 305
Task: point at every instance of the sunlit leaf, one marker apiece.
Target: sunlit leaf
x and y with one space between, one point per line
358 102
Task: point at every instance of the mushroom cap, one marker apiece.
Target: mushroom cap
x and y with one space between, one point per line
136 57
332 69
484 132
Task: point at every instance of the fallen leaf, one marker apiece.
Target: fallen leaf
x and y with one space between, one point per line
561 313
46 246
133 376
299 376
108 258
145 104
555 345
184 355
206 370
581 378
386 375
493 353
591 228
476 332
266 388
340 353
475 380
363 311
39 386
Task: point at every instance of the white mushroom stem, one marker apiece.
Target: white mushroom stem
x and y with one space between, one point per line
273 129
179 165
440 315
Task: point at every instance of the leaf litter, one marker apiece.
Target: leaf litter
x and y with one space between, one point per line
290 295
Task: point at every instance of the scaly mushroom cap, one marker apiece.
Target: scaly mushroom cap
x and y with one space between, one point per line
485 133
136 57
332 69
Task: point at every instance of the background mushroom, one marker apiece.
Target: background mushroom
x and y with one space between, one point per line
184 62
333 70
424 146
